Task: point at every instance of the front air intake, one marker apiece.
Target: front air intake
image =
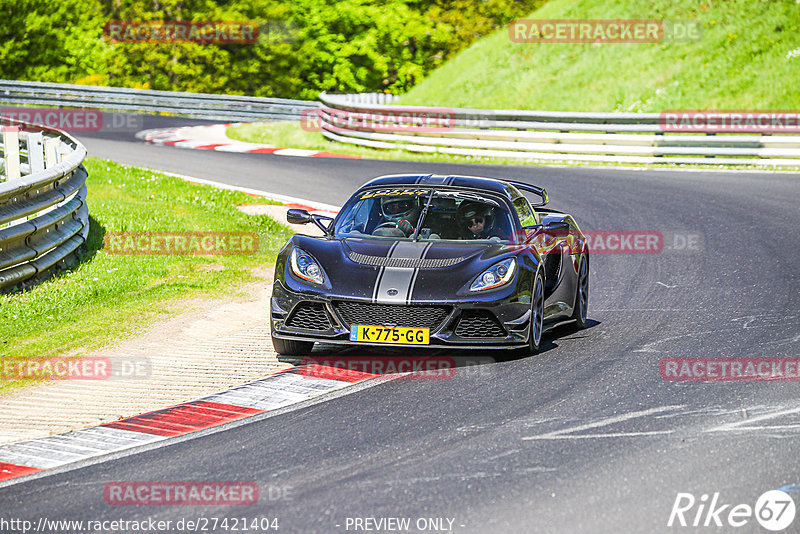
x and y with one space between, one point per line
479 323
310 316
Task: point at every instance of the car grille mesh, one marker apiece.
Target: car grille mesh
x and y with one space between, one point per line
479 323
415 263
416 316
309 315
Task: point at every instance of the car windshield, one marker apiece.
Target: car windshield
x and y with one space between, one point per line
425 214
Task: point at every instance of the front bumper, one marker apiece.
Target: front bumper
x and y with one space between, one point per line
500 321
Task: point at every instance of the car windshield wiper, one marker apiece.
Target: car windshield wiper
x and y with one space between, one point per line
415 236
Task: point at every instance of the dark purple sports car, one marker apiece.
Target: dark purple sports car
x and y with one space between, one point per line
435 261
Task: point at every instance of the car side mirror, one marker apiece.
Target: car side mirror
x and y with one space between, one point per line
557 229
553 229
297 216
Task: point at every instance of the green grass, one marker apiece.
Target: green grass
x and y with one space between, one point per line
290 134
108 297
748 57
743 60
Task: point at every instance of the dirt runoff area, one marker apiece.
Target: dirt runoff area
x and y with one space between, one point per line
211 345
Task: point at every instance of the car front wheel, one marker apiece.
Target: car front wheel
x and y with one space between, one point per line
291 347
579 312
537 314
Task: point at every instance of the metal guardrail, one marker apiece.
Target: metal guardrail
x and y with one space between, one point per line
543 135
196 105
43 212
368 98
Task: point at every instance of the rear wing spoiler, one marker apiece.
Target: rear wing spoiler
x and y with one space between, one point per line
541 191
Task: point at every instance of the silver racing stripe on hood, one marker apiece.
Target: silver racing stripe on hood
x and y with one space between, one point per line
380 273
395 284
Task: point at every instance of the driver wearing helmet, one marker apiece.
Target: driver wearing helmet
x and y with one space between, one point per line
404 211
477 220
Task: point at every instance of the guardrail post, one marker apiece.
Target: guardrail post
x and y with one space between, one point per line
36 249
11 152
51 155
228 108
35 152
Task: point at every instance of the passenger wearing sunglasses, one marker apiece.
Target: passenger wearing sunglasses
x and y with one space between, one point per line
477 220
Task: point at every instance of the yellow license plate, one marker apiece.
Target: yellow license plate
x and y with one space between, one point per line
390 334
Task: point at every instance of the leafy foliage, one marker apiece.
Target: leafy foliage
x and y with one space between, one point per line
304 46
50 41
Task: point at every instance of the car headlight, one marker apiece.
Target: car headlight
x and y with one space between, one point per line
306 267
495 276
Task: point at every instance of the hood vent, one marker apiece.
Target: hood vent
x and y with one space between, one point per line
410 263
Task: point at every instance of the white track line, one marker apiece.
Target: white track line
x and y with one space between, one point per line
119 444
257 192
568 433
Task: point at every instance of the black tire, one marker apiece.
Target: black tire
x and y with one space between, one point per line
580 310
291 347
537 314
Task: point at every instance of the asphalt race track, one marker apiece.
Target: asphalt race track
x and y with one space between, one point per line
583 437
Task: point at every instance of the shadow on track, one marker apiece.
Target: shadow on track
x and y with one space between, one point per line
424 362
